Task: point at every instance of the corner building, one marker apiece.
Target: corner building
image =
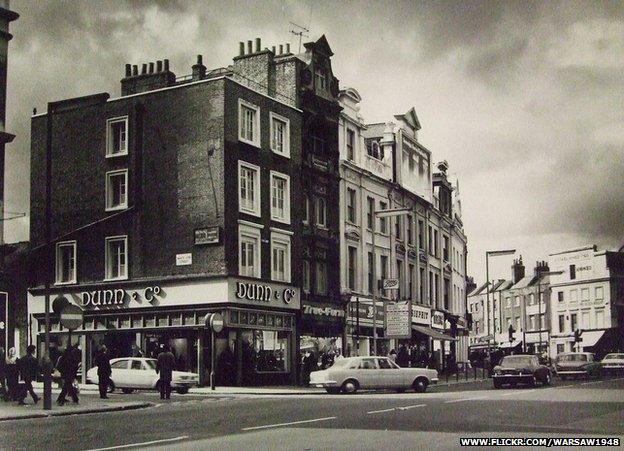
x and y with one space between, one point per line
179 198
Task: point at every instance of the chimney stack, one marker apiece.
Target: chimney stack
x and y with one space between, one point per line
151 68
273 49
281 49
517 270
199 70
166 62
135 70
258 45
158 66
152 77
288 48
128 70
241 48
249 47
144 69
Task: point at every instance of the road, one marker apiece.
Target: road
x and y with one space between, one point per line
436 419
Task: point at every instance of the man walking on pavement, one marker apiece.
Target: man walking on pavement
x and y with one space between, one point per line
103 371
29 370
164 367
68 367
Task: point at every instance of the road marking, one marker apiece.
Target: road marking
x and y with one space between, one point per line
153 442
516 392
464 399
379 411
287 424
564 386
411 407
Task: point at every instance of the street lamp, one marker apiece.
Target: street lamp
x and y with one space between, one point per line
487 292
539 302
381 214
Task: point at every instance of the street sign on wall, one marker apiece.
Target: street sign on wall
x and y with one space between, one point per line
390 284
4 320
398 320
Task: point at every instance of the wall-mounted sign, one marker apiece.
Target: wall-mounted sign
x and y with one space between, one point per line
364 310
260 293
398 323
323 311
390 284
462 323
437 320
118 297
207 235
421 315
184 259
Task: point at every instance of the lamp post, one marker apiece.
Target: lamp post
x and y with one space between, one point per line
381 214
539 302
487 292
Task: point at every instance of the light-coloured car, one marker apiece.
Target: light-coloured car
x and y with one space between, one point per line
613 363
351 374
131 373
577 364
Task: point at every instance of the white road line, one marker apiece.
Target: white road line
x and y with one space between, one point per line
379 411
153 442
564 386
516 392
287 424
411 407
464 399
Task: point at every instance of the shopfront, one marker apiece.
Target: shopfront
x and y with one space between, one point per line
322 332
363 318
256 346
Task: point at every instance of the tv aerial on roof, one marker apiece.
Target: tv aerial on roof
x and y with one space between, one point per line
300 31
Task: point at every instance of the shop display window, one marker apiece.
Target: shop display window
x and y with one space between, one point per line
272 351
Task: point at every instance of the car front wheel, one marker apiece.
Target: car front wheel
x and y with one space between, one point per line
349 386
420 385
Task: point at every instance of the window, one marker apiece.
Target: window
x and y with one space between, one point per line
351 207
318 145
117 190
66 262
532 322
399 275
135 365
320 79
542 321
272 349
508 302
386 364
410 230
249 250
280 134
397 228
351 268
410 281
599 293
383 222
383 264
249 188
421 235
573 322
430 240
422 285
573 295
350 145
435 244
445 249
600 323
560 296
306 276
370 213
531 299
517 322
446 293
585 320
517 301
436 287
370 272
320 211
374 150
117 136
561 323
280 257
572 272
321 278
584 294
280 197
116 254
431 299
249 123
560 348
306 210
120 365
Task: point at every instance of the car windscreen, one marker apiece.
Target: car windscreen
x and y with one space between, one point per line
151 364
516 362
572 358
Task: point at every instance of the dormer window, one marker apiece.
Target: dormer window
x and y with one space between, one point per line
320 79
374 150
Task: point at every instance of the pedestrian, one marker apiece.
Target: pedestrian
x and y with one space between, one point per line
402 357
392 355
29 370
3 387
309 365
103 371
68 367
12 375
164 367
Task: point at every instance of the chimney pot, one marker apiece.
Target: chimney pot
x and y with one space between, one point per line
199 59
135 70
281 49
288 48
158 66
128 70
151 68
273 49
166 61
241 48
249 47
258 44
144 68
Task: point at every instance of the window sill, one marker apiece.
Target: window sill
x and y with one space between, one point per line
117 208
251 143
71 282
282 154
273 279
119 154
114 279
280 220
250 212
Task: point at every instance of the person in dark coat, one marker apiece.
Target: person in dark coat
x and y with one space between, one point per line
29 370
12 375
402 358
103 371
164 367
68 367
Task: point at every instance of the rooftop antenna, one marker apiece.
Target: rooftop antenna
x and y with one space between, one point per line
300 31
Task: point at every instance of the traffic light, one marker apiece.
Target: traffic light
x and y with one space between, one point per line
512 331
577 336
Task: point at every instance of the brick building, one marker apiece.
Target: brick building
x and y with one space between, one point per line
179 198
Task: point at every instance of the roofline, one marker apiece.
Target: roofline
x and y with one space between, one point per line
584 248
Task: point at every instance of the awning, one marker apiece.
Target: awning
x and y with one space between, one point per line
432 333
507 345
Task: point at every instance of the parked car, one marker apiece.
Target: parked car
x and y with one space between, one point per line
577 364
613 363
521 369
131 373
351 374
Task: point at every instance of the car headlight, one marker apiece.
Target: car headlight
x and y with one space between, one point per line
497 371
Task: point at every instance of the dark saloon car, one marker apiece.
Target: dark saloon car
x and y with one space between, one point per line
521 369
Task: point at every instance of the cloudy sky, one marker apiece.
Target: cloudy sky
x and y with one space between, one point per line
524 99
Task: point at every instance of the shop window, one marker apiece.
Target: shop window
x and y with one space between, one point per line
249 188
272 351
280 257
249 123
117 190
249 251
280 134
117 136
280 197
66 262
116 255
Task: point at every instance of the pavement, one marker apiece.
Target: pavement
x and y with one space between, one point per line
437 419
